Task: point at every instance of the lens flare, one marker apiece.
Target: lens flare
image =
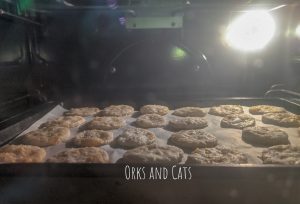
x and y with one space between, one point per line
178 53
251 31
298 31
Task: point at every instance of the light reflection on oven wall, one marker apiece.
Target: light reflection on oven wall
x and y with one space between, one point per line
256 70
83 45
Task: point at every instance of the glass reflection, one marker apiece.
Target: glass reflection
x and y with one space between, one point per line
178 54
298 31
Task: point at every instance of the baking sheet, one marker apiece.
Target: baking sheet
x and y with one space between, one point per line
226 136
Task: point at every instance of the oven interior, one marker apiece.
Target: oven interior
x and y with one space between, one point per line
97 53
86 53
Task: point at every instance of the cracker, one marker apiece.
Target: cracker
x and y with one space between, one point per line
21 154
92 138
216 155
192 139
265 136
237 121
117 111
154 109
189 112
224 110
135 137
45 136
105 123
157 154
281 154
281 119
81 155
188 123
65 121
84 111
151 121
262 109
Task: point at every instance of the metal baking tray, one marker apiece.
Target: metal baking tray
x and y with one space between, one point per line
249 183
226 136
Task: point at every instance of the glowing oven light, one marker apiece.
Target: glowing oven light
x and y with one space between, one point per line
250 31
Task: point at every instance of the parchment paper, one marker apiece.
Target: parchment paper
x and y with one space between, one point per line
226 136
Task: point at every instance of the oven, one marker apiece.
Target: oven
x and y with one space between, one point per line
58 56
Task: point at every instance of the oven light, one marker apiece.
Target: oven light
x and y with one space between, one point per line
298 31
251 31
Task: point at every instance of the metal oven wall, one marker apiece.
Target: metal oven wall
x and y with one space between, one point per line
75 48
15 71
79 46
